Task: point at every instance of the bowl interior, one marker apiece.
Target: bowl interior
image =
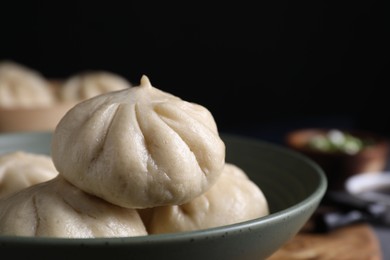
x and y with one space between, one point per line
292 183
285 177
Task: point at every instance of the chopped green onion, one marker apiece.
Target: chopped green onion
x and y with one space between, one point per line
337 141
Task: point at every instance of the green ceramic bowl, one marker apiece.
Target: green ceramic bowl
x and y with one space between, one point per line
293 185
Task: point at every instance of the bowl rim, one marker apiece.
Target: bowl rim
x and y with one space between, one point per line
310 201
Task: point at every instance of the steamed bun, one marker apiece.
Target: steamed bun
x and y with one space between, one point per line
89 84
23 87
58 209
234 198
139 147
19 170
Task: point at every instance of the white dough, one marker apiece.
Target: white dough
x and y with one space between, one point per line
234 198
58 209
22 87
139 147
19 170
89 84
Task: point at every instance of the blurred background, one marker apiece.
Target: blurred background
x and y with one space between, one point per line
258 67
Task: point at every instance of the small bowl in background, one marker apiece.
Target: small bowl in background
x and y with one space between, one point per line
363 152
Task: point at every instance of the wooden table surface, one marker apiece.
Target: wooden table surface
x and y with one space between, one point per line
354 242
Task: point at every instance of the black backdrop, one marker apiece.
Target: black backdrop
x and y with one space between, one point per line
248 63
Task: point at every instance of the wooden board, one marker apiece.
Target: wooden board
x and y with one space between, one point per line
353 242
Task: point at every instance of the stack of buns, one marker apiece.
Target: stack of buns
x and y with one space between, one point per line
134 162
31 102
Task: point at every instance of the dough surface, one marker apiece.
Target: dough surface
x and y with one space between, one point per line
22 87
234 198
89 84
139 147
58 209
19 170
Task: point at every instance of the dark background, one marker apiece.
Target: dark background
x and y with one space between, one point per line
252 65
